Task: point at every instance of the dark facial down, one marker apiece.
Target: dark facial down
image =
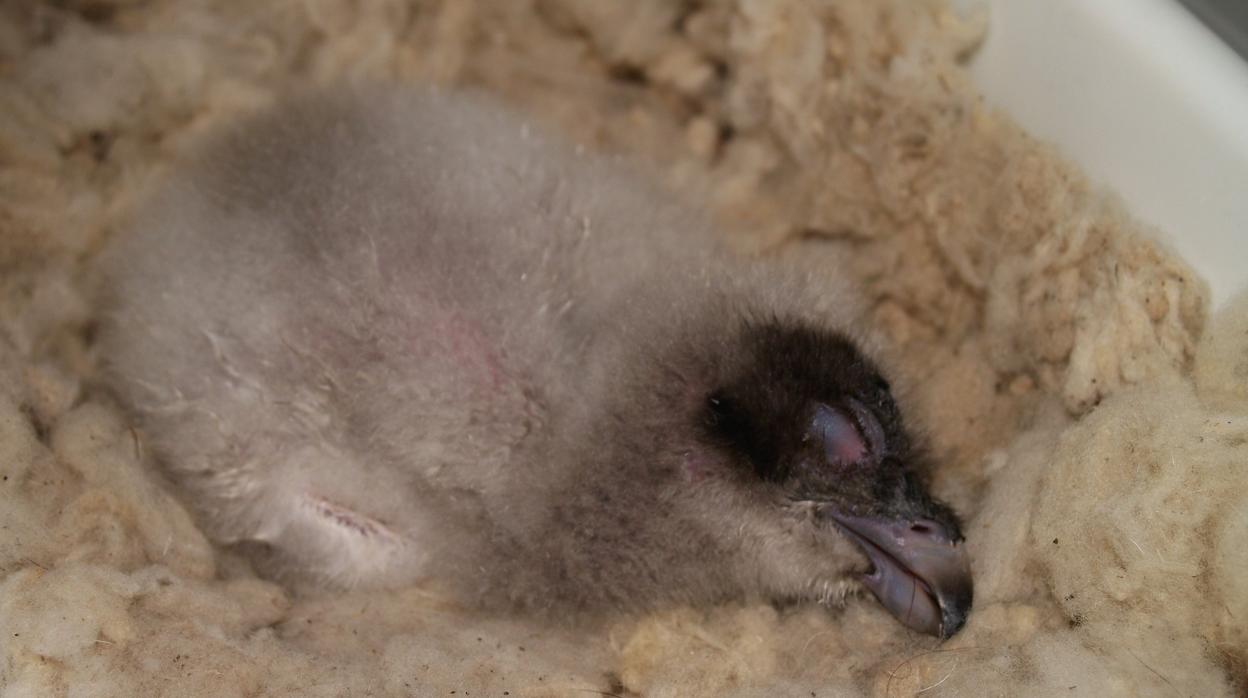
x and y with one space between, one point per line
812 416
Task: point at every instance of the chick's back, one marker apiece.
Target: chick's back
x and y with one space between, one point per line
376 301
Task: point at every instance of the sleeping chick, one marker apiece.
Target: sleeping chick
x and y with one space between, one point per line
396 336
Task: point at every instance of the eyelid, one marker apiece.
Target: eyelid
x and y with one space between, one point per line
841 439
849 434
870 428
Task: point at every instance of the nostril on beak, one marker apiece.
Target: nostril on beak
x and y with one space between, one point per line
928 531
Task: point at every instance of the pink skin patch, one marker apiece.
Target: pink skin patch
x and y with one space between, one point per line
348 519
697 467
471 349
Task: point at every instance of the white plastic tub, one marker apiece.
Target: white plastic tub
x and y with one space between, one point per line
1148 100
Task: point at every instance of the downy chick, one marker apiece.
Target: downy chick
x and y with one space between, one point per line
402 335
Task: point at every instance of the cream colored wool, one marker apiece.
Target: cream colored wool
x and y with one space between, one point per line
1091 428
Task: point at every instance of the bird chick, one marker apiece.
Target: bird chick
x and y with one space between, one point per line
402 335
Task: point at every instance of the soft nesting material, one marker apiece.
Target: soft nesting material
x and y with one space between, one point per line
1091 424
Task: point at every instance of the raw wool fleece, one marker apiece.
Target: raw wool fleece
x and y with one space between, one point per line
1090 427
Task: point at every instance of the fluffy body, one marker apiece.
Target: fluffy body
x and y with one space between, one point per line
404 335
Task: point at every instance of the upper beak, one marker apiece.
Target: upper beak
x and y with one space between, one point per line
921 573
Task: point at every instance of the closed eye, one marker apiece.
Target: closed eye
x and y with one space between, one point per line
842 440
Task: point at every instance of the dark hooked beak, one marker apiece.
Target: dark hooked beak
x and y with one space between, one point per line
921 574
